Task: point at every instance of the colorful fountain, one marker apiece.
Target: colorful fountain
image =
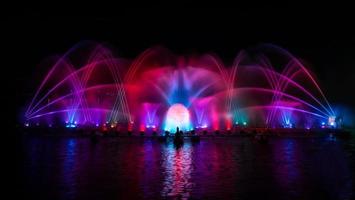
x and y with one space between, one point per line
158 91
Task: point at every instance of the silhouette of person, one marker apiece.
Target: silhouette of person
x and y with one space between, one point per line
178 132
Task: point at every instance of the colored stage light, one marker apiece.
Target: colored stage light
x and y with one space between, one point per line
331 121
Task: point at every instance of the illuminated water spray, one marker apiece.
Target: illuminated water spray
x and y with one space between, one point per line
177 116
157 91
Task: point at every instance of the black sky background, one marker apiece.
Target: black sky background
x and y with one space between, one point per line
323 36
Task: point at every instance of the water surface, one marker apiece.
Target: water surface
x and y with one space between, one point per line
214 168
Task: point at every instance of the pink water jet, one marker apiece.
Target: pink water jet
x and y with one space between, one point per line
90 86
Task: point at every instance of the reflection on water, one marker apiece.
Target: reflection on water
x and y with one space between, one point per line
215 168
69 160
287 172
177 165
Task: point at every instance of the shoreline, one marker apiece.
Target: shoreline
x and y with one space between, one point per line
280 133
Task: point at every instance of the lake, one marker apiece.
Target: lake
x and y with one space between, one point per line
56 167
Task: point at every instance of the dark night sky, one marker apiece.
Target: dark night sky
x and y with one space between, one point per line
323 36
